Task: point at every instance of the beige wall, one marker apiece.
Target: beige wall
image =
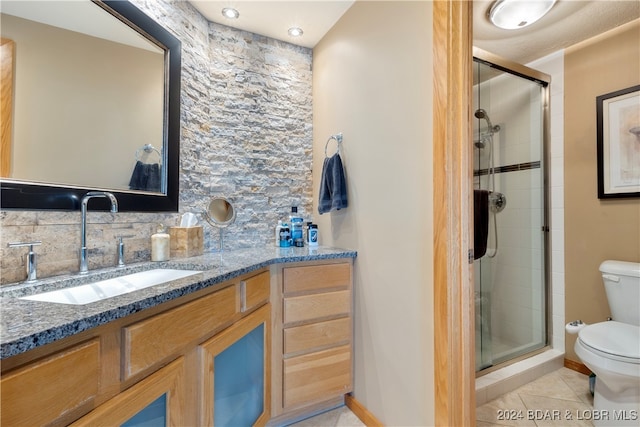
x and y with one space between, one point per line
595 230
372 79
79 118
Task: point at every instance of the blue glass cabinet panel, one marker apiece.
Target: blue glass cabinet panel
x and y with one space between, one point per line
153 415
239 381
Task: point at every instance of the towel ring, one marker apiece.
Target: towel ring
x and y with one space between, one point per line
148 149
338 138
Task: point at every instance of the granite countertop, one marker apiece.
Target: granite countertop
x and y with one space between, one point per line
25 324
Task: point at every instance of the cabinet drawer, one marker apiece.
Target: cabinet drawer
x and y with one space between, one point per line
154 339
254 291
42 392
142 399
316 306
314 277
316 376
316 335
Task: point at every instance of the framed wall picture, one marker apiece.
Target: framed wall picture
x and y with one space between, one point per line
618 129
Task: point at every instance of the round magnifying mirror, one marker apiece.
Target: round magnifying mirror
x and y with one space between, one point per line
220 212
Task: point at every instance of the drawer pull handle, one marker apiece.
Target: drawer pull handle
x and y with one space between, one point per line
243 296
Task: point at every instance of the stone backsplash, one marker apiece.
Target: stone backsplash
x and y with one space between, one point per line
246 134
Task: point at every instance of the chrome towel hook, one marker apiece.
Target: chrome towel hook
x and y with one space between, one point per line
147 149
338 138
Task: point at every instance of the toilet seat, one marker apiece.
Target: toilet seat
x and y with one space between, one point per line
613 340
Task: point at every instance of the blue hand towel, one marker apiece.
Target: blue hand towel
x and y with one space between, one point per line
333 186
145 177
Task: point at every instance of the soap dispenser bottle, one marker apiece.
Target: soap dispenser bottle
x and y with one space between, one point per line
297 223
285 236
160 245
312 235
278 229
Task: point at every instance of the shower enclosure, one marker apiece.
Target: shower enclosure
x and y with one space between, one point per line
510 169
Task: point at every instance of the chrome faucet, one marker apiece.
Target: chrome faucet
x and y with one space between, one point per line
84 268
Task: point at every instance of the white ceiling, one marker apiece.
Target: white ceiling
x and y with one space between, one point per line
79 16
568 22
273 18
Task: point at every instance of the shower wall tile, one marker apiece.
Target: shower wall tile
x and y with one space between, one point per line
557 339
517 298
535 197
537 295
557 144
507 104
558 245
536 238
557 283
557 173
557 261
557 200
554 65
557 304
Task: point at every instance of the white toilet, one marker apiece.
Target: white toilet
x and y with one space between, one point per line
612 349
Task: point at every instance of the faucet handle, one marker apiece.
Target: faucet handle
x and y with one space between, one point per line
22 244
121 249
32 264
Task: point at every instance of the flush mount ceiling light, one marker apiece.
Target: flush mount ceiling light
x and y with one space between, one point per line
230 13
295 31
514 14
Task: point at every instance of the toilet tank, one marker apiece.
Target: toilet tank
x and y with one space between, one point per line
622 285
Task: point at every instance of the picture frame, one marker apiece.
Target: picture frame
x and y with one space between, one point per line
618 143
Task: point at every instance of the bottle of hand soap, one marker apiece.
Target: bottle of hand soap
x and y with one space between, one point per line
278 229
160 245
297 223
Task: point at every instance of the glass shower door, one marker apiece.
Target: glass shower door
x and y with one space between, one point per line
508 167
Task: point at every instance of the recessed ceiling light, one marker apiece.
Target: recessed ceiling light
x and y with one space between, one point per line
295 31
514 14
230 13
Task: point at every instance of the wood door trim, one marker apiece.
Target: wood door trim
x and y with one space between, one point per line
454 370
7 54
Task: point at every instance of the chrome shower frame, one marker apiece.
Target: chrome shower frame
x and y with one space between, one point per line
514 68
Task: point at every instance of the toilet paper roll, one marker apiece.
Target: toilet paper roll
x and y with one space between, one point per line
575 326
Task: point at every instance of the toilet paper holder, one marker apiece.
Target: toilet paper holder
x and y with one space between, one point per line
575 326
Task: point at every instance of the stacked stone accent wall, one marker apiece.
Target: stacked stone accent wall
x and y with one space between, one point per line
246 134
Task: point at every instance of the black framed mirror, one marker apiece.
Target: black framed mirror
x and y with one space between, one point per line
42 194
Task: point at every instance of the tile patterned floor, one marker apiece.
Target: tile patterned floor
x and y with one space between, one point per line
558 399
339 417
561 399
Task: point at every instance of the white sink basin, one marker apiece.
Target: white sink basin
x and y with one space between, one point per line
96 291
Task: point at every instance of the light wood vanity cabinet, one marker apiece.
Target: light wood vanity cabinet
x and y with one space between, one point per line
236 385
165 357
313 328
44 391
131 366
158 398
157 339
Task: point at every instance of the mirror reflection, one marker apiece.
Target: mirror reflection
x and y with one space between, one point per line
86 101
